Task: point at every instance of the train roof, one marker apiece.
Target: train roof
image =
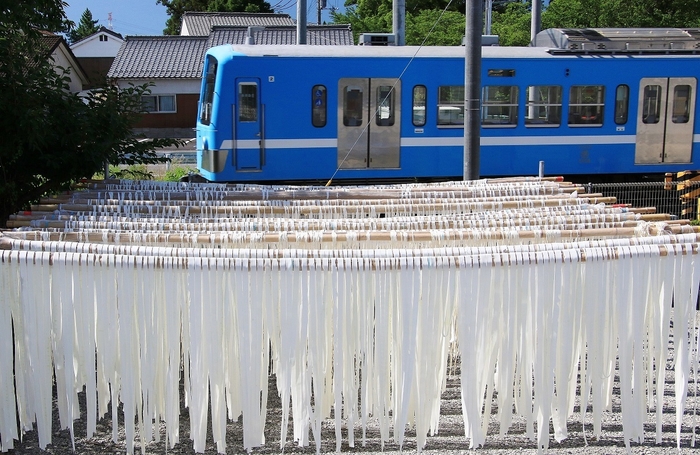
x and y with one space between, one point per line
620 39
380 51
488 52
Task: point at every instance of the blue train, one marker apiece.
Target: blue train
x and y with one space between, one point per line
585 102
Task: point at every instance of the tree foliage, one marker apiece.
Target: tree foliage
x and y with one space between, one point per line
177 8
511 18
513 24
52 137
86 27
375 16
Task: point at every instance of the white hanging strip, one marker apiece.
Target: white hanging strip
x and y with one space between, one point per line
9 283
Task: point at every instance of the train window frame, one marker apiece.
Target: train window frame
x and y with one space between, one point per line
450 107
503 100
680 107
622 103
156 104
319 106
538 99
649 98
419 106
247 104
584 110
212 65
353 120
385 114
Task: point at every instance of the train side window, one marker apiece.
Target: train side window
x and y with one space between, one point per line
681 103
385 106
543 105
499 106
651 107
318 106
208 95
622 95
586 104
248 102
352 106
420 97
450 105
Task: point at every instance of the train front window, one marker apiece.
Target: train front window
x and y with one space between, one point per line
247 102
622 95
352 106
499 106
681 104
651 104
586 103
420 96
385 106
318 106
543 105
451 105
209 86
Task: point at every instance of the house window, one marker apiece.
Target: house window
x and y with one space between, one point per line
104 37
159 103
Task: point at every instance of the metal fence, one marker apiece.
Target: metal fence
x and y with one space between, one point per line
678 198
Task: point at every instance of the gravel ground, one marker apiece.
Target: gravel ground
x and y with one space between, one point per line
450 438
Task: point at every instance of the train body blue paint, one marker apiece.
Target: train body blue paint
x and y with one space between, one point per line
312 113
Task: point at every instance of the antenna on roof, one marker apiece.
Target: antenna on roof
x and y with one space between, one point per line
109 21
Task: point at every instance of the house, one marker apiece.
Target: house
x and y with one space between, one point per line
200 24
173 64
56 47
96 54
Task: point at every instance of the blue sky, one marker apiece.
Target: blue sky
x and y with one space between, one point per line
146 17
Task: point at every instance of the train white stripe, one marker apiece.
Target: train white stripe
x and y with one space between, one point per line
282 143
446 141
520 140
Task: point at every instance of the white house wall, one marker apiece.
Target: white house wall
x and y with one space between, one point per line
61 60
93 47
166 87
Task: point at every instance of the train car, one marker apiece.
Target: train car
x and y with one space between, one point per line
362 113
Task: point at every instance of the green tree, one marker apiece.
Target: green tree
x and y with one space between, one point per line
421 28
86 27
512 24
177 8
52 137
375 16
621 13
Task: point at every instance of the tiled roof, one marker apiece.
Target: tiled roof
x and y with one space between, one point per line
338 35
155 57
50 42
200 24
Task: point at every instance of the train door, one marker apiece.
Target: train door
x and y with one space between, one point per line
248 125
369 123
665 120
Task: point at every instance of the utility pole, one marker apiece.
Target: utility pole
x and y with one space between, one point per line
536 23
301 22
399 22
472 88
